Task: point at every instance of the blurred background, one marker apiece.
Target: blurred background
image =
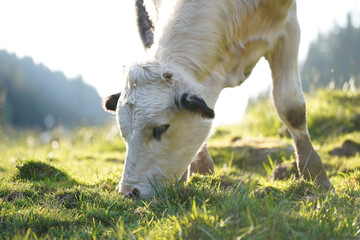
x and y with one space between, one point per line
58 59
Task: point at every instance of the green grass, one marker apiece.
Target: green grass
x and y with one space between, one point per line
66 188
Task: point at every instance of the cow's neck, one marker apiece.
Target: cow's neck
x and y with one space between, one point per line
200 46
193 35
210 46
185 50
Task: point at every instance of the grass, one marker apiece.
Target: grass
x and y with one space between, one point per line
65 187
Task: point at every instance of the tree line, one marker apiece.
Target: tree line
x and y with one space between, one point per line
333 59
33 96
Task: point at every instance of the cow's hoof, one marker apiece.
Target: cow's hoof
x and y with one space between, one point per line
324 183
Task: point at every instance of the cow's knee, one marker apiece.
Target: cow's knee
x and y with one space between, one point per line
290 106
295 116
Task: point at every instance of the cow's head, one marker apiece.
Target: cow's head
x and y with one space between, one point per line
163 124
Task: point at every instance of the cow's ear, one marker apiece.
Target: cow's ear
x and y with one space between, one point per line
195 104
110 102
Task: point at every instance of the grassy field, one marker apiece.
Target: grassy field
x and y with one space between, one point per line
62 184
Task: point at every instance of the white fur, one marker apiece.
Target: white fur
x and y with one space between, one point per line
207 45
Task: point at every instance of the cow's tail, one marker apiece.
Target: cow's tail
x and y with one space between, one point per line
145 25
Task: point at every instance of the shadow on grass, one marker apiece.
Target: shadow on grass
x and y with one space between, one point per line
39 226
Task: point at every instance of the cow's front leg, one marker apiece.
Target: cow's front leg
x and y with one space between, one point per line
202 163
290 104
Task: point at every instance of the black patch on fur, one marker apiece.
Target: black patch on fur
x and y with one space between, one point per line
196 104
110 103
296 117
145 26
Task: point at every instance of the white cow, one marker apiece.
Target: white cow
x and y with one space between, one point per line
165 110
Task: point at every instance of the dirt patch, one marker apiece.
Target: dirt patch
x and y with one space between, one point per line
285 171
234 139
348 149
257 151
37 171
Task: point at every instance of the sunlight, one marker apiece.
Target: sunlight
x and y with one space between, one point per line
94 40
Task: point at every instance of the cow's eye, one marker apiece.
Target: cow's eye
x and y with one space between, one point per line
158 131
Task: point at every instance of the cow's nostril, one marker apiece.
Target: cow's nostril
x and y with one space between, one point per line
135 192
129 195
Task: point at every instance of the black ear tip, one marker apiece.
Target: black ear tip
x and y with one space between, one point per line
207 112
110 103
211 114
195 104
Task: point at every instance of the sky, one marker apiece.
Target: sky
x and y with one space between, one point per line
95 39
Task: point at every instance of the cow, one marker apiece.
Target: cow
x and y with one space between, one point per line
197 48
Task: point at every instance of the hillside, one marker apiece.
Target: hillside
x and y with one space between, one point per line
31 93
66 189
333 60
